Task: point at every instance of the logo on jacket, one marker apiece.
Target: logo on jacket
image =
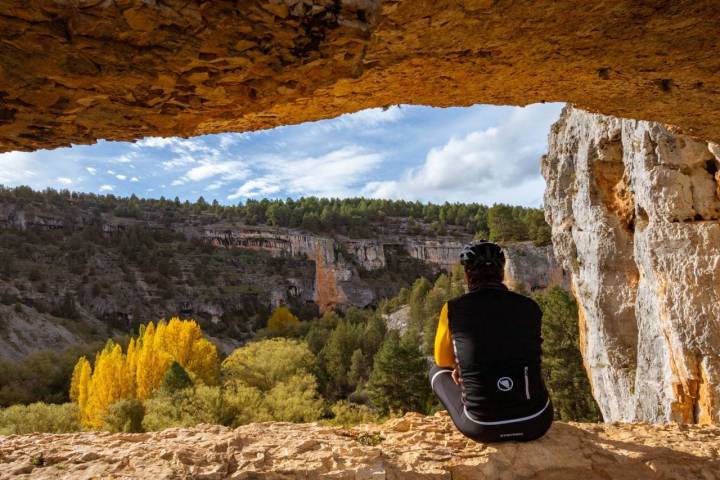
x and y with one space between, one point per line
505 384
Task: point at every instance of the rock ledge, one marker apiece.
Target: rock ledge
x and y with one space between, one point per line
414 446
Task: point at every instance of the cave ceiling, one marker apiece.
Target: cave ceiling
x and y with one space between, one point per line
82 70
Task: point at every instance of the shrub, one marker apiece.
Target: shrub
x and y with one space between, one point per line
282 320
295 400
125 416
347 414
265 363
39 417
187 408
246 405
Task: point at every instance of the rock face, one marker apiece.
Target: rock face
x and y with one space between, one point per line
635 216
337 281
529 267
407 448
75 72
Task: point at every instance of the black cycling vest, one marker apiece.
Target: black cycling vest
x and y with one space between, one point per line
497 342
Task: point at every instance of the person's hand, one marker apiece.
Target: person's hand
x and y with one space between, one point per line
456 376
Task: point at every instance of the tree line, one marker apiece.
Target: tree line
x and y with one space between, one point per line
355 217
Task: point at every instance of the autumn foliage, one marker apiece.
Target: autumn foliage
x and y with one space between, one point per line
282 319
138 372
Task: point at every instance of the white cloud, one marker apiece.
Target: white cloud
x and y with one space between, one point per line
482 165
175 183
255 188
17 167
155 142
227 140
111 172
230 170
107 188
134 179
127 157
334 174
369 118
65 180
91 170
178 162
175 144
214 186
121 177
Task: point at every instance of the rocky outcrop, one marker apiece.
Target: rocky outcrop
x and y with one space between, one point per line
529 267
75 72
635 216
399 319
22 333
406 448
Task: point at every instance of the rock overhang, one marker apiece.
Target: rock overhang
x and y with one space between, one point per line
76 72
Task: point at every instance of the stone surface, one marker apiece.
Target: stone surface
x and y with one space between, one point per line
529 267
634 211
337 259
411 447
75 72
399 319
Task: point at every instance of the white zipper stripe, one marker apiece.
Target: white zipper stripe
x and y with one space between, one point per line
503 422
527 384
432 380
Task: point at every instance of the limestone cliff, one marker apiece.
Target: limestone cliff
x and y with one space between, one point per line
411 447
337 259
635 211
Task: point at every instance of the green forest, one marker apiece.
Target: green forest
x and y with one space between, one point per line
338 369
355 217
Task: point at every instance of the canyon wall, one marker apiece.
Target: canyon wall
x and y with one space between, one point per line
48 257
339 260
635 216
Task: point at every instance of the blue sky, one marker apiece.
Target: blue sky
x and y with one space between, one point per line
481 154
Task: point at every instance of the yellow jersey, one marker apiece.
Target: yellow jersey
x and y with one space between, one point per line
444 353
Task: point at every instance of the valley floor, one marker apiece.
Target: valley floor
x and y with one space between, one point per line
413 446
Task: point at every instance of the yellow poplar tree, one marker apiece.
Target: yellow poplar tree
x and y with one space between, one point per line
75 380
140 371
152 362
108 384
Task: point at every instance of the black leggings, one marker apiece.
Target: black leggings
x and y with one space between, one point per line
450 395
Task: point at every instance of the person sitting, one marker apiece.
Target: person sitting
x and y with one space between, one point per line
487 371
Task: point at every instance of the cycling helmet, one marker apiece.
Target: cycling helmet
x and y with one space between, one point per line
481 253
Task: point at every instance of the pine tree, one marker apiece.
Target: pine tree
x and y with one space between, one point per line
398 381
336 357
564 373
176 378
356 373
